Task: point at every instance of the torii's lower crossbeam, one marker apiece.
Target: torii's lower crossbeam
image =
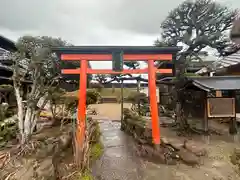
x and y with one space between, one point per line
109 71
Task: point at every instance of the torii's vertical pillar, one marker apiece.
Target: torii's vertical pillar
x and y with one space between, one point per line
153 102
81 113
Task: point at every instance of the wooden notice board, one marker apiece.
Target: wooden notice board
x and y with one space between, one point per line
221 107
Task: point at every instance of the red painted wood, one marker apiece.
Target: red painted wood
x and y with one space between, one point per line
145 57
81 114
109 71
71 71
153 102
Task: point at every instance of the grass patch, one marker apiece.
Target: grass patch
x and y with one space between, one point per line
96 146
96 151
86 176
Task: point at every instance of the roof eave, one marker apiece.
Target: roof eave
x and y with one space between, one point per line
200 86
110 49
10 44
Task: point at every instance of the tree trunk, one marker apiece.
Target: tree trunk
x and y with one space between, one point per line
35 117
20 114
181 121
27 123
27 120
53 109
113 88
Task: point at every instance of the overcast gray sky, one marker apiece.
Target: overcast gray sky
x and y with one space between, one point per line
89 22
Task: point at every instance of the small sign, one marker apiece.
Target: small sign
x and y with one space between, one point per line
235 32
221 107
117 61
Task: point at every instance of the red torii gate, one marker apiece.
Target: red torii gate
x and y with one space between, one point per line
130 53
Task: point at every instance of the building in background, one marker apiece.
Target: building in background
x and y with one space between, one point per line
133 86
6 72
225 65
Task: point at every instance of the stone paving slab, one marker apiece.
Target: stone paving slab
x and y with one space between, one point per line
118 161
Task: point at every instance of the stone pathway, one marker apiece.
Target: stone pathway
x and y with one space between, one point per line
117 162
120 162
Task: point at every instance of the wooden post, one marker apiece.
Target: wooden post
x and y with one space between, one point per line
205 120
233 130
153 102
122 99
218 93
81 114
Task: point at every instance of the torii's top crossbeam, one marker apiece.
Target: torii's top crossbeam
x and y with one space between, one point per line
109 49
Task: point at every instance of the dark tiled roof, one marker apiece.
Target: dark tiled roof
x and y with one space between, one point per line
7 44
227 61
216 82
223 62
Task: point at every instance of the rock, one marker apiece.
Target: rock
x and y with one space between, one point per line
26 171
45 151
149 150
164 140
45 170
237 152
218 164
65 140
218 178
156 155
197 150
188 157
235 157
176 144
148 132
169 152
169 156
160 158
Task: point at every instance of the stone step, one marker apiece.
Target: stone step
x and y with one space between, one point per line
188 157
196 149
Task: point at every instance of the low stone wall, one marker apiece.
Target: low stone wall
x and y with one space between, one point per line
113 99
110 99
170 151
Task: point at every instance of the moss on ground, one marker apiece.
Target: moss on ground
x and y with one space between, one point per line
96 151
86 176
